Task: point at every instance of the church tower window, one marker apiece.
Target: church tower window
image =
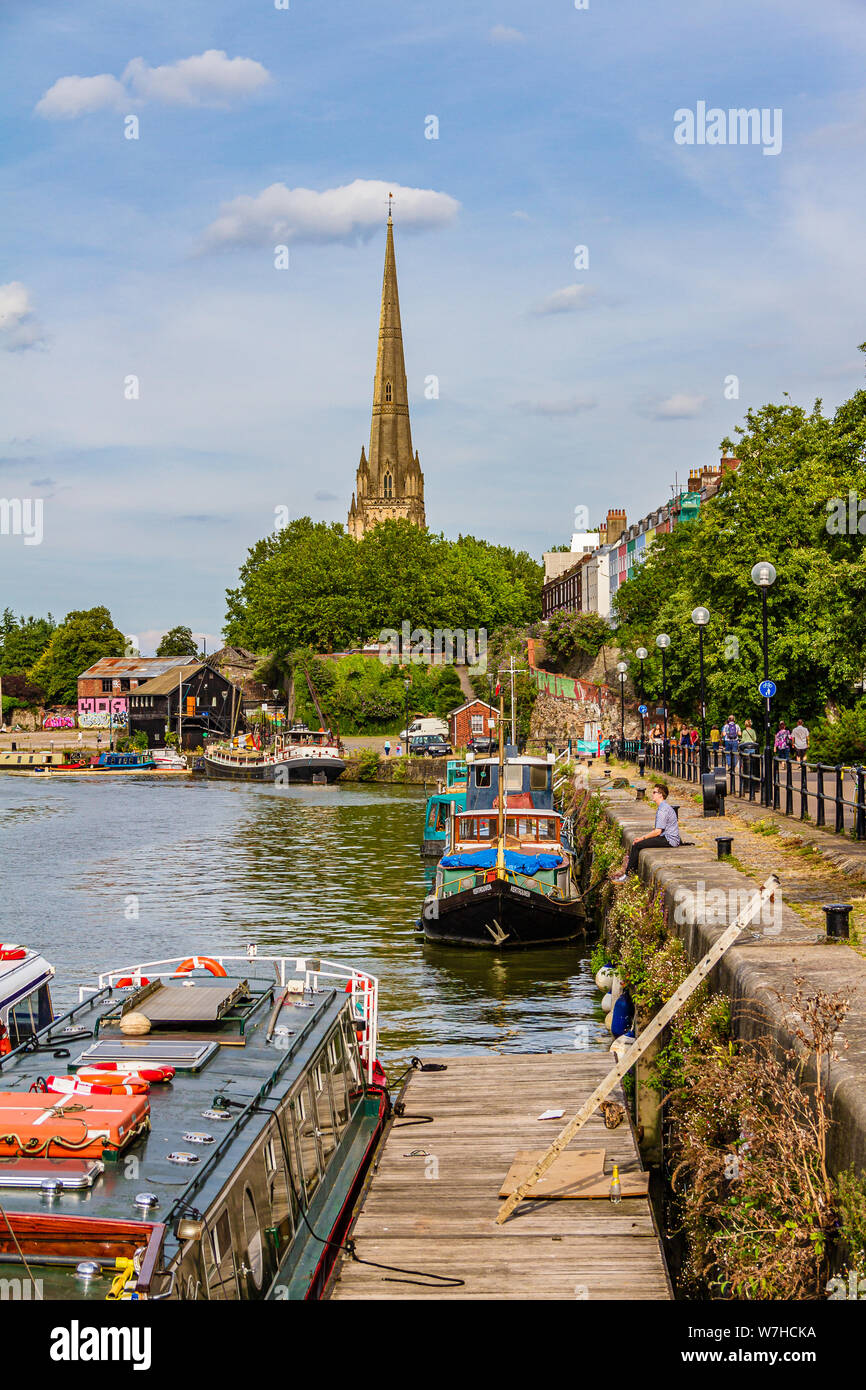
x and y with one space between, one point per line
387 391
388 485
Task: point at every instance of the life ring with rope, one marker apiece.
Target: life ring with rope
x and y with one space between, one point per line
201 963
12 952
127 982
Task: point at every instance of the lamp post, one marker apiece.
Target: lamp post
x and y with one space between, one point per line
763 575
700 617
663 642
641 655
622 672
406 685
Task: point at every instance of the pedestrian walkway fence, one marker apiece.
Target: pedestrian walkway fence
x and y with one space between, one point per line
829 795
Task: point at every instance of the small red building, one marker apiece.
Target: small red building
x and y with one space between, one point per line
475 719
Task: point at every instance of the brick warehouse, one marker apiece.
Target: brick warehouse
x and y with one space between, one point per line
195 698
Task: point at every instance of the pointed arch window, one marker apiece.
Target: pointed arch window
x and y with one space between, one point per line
388 485
388 394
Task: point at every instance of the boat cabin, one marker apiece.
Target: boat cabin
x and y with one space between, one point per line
244 1095
25 996
524 776
524 829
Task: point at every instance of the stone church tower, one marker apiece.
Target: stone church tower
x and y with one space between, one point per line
389 482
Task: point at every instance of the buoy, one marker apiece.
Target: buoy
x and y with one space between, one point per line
608 1019
135 1024
622 1016
604 977
615 989
607 1002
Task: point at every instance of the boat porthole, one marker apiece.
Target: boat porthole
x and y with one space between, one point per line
253 1237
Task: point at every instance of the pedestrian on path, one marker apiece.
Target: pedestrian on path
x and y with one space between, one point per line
731 735
387 748
748 738
782 742
666 834
715 737
800 740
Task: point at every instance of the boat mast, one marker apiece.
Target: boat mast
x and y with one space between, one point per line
500 848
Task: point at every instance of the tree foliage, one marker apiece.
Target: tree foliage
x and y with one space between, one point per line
362 695
781 506
22 641
311 584
83 637
178 641
574 634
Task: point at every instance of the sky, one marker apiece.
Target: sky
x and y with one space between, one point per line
166 387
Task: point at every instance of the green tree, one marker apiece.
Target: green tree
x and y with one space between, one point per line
83 637
22 641
178 641
783 506
571 634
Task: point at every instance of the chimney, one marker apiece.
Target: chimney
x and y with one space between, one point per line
616 524
729 465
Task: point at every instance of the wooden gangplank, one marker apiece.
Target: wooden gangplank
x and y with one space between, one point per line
435 1212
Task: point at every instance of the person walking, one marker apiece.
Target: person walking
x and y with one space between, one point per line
666 834
715 737
748 738
800 740
731 734
387 748
782 742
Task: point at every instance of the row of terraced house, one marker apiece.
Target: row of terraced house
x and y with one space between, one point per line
585 578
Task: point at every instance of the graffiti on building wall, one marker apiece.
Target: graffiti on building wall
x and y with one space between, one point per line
97 704
101 719
58 721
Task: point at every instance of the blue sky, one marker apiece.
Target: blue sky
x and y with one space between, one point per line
559 387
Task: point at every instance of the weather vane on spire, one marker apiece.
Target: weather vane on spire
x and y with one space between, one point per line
390 196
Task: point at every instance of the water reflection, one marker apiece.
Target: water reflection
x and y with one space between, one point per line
100 876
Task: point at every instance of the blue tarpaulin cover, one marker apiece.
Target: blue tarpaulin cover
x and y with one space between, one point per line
518 863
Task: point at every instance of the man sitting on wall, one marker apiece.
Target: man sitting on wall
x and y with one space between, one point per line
665 835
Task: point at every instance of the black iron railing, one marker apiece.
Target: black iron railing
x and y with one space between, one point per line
829 795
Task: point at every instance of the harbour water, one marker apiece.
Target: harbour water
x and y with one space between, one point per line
102 876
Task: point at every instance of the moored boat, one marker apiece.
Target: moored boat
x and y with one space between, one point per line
243 1095
509 877
449 797
299 755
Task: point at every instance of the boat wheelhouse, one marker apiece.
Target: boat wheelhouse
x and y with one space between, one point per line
299 755
449 797
207 1139
509 877
25 995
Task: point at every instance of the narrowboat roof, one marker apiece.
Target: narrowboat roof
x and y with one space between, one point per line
229 1072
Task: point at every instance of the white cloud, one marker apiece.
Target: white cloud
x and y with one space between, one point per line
281 214
206 79
567 405
210 78
77 96
500 33
19 327
679 406
565 301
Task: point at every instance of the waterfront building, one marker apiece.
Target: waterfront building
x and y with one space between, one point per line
194 698
389 483
105 687
474 719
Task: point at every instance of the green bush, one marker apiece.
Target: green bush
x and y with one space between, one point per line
843 740
368 765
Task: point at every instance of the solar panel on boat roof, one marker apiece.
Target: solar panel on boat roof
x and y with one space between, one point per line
184 1056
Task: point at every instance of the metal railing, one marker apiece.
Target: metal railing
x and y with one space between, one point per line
830 795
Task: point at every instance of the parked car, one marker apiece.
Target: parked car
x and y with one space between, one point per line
480 743
417 727
430 746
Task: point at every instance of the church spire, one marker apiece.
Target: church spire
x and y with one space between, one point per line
390 464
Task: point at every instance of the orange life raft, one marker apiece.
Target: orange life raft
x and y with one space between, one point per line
44 1124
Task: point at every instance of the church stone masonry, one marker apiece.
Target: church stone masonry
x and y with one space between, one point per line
389 483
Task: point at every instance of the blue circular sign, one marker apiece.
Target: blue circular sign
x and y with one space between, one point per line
642 709
767 689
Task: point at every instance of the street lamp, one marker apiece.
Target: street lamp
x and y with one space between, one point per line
663 642
622 672
406 684
700 617
763 575
641 655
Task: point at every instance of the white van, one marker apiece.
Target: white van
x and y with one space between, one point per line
426 726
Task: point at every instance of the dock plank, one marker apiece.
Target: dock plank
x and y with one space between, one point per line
431 1203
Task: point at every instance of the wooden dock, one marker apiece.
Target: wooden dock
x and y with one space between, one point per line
431 1203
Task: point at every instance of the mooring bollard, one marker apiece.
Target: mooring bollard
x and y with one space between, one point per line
723 845
675 807
837 915
640 793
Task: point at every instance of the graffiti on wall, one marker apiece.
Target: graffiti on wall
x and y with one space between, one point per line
102 719
58 721
97 704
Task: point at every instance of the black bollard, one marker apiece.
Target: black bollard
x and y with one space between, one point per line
837 915
675 807
723 845
640 793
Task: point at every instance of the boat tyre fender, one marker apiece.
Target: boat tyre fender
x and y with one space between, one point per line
201 963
